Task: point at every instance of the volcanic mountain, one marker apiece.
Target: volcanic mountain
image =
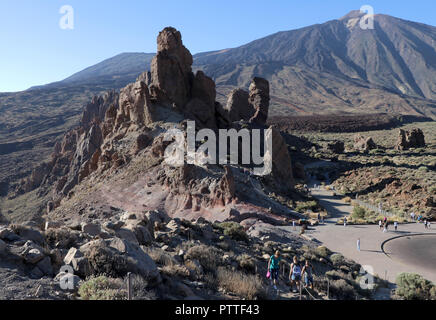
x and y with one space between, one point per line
334 67
338 66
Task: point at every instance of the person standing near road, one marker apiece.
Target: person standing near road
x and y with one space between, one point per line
345 221
380 224
396 225
358 244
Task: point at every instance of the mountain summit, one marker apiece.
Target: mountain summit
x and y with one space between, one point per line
337 66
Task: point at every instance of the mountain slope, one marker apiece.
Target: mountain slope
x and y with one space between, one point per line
326 68
337 66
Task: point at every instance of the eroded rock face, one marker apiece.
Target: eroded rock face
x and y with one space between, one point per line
364 144
133 128
237 107
171 72
135 105
259 99
282 175
410 139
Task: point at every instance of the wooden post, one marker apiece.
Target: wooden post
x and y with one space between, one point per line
301 288
129 286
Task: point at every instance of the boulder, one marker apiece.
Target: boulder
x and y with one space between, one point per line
410 139
92 229
364 144
72 254
104 257
45 266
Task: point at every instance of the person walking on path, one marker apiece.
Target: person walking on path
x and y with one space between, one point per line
358 244
396 225
274 267
295 274
345 221
380 224
307 272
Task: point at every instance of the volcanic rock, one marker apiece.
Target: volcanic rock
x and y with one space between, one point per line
410 139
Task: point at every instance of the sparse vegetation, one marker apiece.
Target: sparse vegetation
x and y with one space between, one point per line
103 288
411 286
247 286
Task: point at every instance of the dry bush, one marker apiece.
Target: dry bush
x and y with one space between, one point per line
160 256
246 263
103 288
104 261
341 289
208 256
63 237
337 259
347 200
246 286
176 271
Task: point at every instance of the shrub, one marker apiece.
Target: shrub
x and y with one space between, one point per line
176 271
160 256
337 259
64 237
234 230
102 288
206 255
358 212
342 289
347 200
246 263
412 286
323 251
246 286
305 206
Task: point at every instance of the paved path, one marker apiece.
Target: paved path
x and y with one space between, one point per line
344 240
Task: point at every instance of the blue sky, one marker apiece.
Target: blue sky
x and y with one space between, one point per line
35 50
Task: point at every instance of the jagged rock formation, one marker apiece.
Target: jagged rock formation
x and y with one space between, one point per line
364 144
249 106
410 139
119 132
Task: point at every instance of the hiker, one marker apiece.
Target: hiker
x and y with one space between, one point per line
380 224
425 223
308 274
345 221
274 267
428 225
396 225
358 244
295 274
